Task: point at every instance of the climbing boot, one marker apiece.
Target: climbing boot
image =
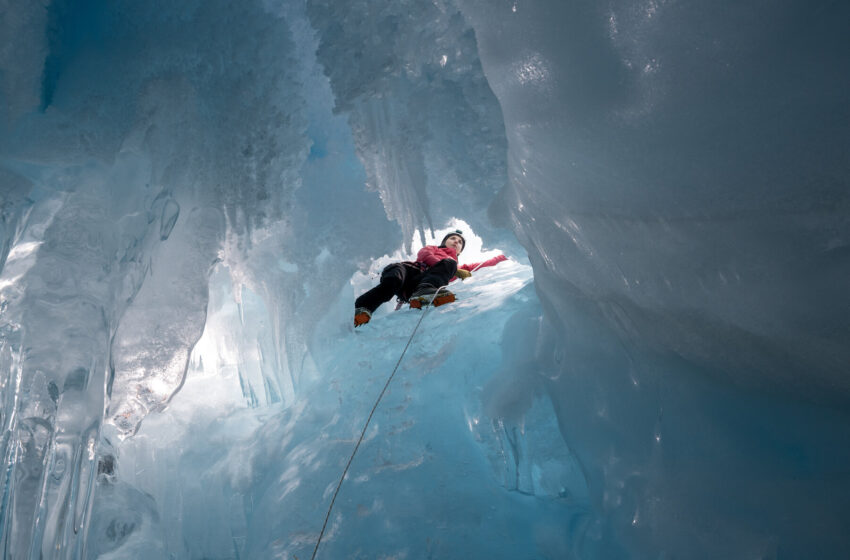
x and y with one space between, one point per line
361 316
429 295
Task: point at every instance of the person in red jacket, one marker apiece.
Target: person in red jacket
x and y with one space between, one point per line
419 282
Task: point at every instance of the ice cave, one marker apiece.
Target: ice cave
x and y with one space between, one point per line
193 194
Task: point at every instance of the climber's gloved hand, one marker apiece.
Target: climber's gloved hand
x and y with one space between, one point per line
463 274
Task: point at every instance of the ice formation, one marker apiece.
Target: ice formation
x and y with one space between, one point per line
193 193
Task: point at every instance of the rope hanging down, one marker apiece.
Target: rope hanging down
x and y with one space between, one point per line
369 419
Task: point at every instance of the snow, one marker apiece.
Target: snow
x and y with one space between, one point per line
192 195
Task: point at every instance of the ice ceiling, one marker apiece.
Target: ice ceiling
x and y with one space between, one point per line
193 193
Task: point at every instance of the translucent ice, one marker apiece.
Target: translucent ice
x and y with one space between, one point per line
193 193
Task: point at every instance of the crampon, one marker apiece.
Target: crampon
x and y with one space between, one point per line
441 298
361 317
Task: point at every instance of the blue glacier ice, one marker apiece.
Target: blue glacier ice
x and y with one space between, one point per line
192 194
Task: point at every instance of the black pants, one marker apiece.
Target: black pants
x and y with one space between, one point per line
402 279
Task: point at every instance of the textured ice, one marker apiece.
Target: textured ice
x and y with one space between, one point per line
193 193
430 458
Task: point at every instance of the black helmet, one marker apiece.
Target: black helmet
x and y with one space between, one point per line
455 232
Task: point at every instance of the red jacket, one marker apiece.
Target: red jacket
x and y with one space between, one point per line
431 255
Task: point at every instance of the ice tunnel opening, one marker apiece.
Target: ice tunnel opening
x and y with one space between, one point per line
464 405
474 251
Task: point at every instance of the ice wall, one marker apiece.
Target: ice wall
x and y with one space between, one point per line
119 195
679 176
424 120
676 173
145 150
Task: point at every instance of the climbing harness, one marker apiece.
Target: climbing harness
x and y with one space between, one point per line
369 418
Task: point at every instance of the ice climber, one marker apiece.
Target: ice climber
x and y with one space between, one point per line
419 282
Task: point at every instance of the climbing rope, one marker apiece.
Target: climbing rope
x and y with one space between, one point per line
372 413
